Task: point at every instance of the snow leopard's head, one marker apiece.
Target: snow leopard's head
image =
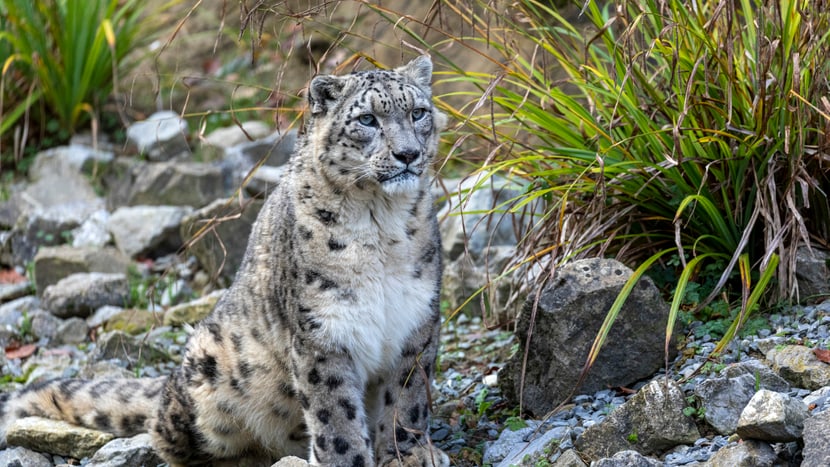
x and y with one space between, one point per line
375 128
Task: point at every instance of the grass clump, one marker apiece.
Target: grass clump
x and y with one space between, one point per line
681 136
61 60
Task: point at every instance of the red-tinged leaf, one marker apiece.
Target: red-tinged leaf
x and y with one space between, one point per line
21 352
10 276
822 354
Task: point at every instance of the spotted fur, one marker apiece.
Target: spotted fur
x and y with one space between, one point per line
324 345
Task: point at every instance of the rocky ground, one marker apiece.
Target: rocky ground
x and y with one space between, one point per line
97 281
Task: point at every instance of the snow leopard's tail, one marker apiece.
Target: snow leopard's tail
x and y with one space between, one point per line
123 407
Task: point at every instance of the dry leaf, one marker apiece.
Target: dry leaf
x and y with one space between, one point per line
10 276
822 354
21 352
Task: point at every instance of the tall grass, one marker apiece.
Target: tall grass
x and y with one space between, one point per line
690 136
61 59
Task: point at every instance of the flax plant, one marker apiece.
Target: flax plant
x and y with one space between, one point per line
654 130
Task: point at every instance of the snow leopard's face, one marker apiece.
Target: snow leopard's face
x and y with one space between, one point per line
376 128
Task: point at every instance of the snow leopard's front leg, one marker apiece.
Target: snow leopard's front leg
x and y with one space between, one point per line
401 434
330 392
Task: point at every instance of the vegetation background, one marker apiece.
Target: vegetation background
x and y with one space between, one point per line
687 138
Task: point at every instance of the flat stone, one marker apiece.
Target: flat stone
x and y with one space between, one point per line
55 263
133 321
10 292
76 158
627 459
191 184
82 293
56 437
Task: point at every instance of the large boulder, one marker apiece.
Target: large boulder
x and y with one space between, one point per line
218 235
571 310
55 263
649 423
147 230
162 136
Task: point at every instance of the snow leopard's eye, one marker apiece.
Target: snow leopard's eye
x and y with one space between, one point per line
368 120
418 113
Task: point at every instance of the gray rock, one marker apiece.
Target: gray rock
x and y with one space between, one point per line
72 331
10 292
723 400
291 461
46 221
56 437
508 440
264 180
131 349
747 453
22 457
649 423
535 450
175 184
817 440
218 235
627 459
82 293
570 312
147 230
274 150
72 158
12 312
766 378
45 325
812 272
55 263
469 228
235 135
569 458
772 416
800 366
126 452
160 137
93 232
464 277
192 311
102 315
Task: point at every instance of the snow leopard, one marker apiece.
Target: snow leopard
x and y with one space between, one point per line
324 345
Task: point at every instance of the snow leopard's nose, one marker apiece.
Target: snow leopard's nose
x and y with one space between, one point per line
407 156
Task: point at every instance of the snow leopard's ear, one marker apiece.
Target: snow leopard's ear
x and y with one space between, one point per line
323 91
420 70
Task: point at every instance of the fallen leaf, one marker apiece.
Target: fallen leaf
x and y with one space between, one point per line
21 352
822 354
10 276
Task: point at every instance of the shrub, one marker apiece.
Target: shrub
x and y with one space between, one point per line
658 130
61 58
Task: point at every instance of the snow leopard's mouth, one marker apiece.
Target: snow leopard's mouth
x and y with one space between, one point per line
402 175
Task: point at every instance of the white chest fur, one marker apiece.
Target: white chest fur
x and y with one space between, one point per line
380 299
